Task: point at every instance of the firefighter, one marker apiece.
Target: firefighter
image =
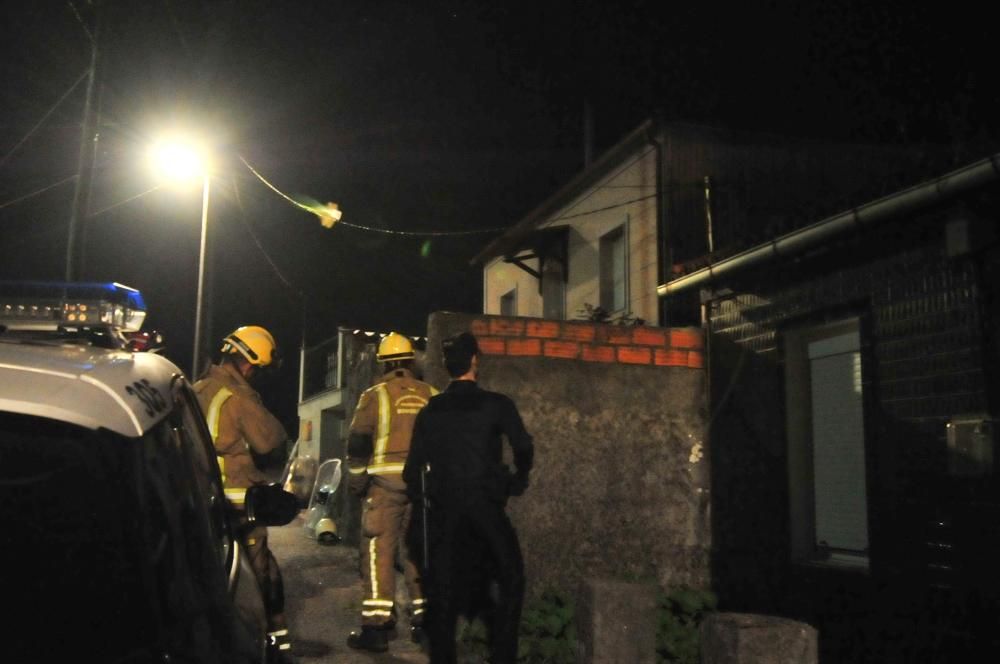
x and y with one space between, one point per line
378 445
240 424
456 464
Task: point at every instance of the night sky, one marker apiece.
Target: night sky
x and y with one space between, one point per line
449 117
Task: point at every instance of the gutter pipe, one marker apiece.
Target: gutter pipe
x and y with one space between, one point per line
951 184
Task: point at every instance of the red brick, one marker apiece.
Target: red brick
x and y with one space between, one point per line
670 358
634 355
567 350
647 336
506 327
492 345
583 332
598 353
542 328
687 339
615 334
480 327
696 359
524 346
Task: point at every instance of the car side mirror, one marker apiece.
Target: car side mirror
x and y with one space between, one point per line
270 505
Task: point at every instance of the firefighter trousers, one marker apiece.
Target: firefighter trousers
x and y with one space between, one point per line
268 575
384 521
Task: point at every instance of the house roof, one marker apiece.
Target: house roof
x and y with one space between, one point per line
513 238
908 200
650 131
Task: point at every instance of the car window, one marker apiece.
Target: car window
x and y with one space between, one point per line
71 532
114 543
182 541
189 425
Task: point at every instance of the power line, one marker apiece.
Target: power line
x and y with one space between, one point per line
609 207
39 191
260 246
609 178
386 231
45 117
120 203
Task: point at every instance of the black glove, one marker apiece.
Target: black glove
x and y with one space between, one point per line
517 483
270 505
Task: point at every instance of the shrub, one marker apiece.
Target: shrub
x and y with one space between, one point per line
547 633
680 614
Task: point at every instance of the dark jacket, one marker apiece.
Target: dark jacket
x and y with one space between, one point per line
460 434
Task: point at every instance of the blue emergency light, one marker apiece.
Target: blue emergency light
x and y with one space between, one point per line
48 305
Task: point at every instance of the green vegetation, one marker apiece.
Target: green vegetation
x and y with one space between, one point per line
680 614
548 633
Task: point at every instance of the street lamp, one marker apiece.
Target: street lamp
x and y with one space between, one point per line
180 159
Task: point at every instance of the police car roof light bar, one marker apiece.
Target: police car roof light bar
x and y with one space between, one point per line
52 305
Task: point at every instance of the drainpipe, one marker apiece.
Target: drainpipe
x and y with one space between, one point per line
708 215
915 198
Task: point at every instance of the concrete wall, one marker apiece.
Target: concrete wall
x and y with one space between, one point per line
620 485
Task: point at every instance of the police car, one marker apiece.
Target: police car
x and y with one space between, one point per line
117 541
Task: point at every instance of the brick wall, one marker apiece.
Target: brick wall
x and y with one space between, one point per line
590 342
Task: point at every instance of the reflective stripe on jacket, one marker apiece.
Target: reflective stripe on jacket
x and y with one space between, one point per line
238 422
386 412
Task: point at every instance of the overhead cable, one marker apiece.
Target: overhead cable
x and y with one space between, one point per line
387 231
37 192
45 117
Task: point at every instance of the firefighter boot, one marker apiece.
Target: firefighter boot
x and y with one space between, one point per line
279 647
369 638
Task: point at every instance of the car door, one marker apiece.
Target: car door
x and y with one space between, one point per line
243 591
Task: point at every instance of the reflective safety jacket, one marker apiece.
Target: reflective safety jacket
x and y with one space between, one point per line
381 429
238 422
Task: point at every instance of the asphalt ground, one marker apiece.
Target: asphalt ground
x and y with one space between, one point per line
323 601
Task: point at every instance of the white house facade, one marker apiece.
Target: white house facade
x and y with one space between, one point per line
594 248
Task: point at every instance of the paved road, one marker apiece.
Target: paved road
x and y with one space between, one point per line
323 599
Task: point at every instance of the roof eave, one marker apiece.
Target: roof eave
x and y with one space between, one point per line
507 242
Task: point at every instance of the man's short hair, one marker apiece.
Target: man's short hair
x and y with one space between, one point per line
458 353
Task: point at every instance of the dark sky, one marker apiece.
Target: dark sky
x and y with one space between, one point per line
419 116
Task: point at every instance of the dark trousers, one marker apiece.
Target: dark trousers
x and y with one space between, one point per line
268 574
472 546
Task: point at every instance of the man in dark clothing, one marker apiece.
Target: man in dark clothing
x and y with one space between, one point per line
456 454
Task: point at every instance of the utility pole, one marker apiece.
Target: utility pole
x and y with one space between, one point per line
87 155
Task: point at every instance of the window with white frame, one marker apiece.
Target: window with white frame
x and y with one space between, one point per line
508 303
826 438
613 270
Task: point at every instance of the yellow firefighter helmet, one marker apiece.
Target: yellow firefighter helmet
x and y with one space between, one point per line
252 342
394 347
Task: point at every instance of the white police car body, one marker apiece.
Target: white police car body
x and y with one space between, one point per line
120 545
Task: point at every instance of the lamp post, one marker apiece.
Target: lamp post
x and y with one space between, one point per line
196 353
180 159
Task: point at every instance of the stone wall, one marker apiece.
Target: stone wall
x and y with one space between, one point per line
620 485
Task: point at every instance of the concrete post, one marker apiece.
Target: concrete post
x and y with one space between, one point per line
616 622
745 638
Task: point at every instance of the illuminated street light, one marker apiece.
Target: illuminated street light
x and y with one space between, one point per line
178 159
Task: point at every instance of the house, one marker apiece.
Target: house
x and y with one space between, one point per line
854 390
667 193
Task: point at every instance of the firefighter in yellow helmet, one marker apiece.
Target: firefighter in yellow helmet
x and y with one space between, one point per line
378 445
239 423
